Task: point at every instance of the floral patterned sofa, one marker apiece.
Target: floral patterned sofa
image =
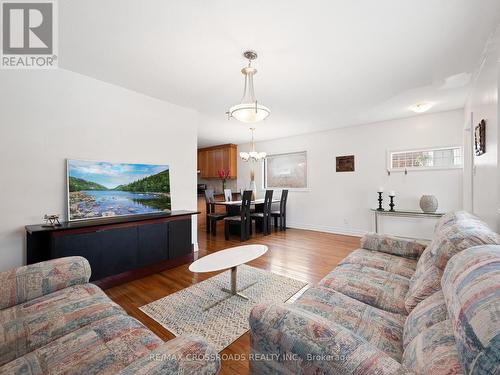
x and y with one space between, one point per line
53 321
394 306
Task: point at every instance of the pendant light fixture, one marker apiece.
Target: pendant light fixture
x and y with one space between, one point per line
249 110
252 155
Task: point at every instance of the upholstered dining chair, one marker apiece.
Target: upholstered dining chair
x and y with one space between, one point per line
210 215
281 213
264 217
243 220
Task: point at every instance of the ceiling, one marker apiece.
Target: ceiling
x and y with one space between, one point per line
322 63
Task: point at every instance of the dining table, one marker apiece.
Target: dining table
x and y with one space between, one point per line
233 207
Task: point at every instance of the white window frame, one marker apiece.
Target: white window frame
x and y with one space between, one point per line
426 168
264 172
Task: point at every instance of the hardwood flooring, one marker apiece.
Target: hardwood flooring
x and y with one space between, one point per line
303 255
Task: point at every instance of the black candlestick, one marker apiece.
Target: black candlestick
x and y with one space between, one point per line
380 208
391 205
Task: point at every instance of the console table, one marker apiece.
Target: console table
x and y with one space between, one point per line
118 249
404 213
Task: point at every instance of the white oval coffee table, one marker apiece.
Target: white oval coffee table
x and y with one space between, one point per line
229 258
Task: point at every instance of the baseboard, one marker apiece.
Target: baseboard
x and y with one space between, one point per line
328 229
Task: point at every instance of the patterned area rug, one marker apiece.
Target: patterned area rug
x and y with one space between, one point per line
184 312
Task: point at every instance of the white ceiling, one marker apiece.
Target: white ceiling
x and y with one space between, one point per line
322 63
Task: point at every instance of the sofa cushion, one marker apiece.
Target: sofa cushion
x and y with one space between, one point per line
377 288
424 263
32 324
445 220
433 351
105 347
432 310
28 282
452 217
425 282
288 340
392 245
382 261
456 232
380 328
423 287
461 235
471 288
183 355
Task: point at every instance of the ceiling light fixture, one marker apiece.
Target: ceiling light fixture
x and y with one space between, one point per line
249 110
252 155
421 107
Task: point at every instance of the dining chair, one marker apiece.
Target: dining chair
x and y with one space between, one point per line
211 216
228 195
281 213
243 219
264 217
252 209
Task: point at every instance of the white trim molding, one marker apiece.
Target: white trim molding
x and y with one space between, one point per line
327 229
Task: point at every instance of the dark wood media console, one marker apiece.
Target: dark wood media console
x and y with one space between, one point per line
118 249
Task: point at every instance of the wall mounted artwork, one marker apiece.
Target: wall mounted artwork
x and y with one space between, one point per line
286 171
345 163
480 138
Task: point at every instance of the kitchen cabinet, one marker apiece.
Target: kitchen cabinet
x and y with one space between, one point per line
212 159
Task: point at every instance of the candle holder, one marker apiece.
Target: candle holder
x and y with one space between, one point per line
380 208
391 205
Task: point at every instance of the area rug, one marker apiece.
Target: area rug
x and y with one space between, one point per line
184 312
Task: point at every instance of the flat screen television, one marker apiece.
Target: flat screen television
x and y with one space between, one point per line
98 189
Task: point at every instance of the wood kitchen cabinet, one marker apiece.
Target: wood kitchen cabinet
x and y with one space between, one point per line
202 163
212 159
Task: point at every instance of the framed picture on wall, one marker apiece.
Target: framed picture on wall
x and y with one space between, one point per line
480 138
344 163
286 171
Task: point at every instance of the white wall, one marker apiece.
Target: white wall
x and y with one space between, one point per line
340 202
48 116
481 191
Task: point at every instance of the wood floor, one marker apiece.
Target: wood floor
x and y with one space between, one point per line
303 255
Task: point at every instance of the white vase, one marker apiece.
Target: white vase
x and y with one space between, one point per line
428 203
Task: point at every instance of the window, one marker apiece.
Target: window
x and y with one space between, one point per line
431 158
286 171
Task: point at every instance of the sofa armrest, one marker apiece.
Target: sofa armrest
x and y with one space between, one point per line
287 340
182 355
35 280
393 245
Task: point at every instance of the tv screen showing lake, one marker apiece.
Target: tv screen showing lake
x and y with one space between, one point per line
101 189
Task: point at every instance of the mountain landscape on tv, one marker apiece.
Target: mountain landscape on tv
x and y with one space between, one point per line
100 189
